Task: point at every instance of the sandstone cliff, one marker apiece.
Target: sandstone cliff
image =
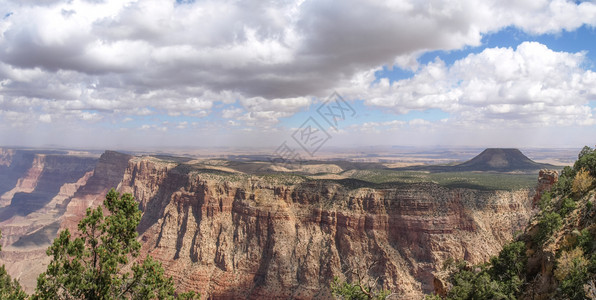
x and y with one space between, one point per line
43 182
229 234
242 236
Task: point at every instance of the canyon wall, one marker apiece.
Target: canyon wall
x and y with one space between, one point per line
35 188
235 235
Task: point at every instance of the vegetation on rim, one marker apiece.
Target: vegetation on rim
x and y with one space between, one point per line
565 227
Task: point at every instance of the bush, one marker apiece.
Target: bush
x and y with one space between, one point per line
355 291
585 241
572 273
545 201
510 262
463 284
499 280
582 182
547 224
586 159
567 206
563 185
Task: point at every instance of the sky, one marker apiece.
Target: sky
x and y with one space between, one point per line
303 74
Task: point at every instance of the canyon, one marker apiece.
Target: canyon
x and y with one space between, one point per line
231 231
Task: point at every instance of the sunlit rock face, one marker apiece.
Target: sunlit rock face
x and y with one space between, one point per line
235 235
252 237
35 188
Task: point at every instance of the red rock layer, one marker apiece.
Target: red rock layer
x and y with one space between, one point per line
247 238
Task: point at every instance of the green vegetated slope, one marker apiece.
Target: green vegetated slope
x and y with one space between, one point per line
553 259
493 169
473 180
357 175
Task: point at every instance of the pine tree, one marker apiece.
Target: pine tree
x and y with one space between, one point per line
90 266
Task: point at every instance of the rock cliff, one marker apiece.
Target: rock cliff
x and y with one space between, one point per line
42 183
235 235
242 236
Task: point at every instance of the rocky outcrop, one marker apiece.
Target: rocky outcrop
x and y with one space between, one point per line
236 235
43 180
107 174
14 164
27 183
546 179
33 207
247 237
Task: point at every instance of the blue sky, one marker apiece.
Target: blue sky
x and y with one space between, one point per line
581 40
157 74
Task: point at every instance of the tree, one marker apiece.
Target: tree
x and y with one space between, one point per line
363 289
572 273
500 279
582 182
548 223
563 185
355 291
90 266
567 206
585 151
586 160
9 288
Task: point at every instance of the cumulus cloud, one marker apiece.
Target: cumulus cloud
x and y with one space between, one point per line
527 85
99 60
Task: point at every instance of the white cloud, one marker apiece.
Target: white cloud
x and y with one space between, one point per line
87 116
45 118
107 60
527 85
231 113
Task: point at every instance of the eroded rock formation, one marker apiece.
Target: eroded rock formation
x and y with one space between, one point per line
235 235
546 179
250 237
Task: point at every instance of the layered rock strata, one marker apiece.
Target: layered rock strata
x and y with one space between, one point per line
235 235
232 236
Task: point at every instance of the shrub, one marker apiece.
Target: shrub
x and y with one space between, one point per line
567 206
448 263
463 284
355 291
510 262
585 241
563 185
545 201
547 224
508 267
586 159
498 280
572 273
582 182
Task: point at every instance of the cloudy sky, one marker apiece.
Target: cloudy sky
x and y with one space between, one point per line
153 74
